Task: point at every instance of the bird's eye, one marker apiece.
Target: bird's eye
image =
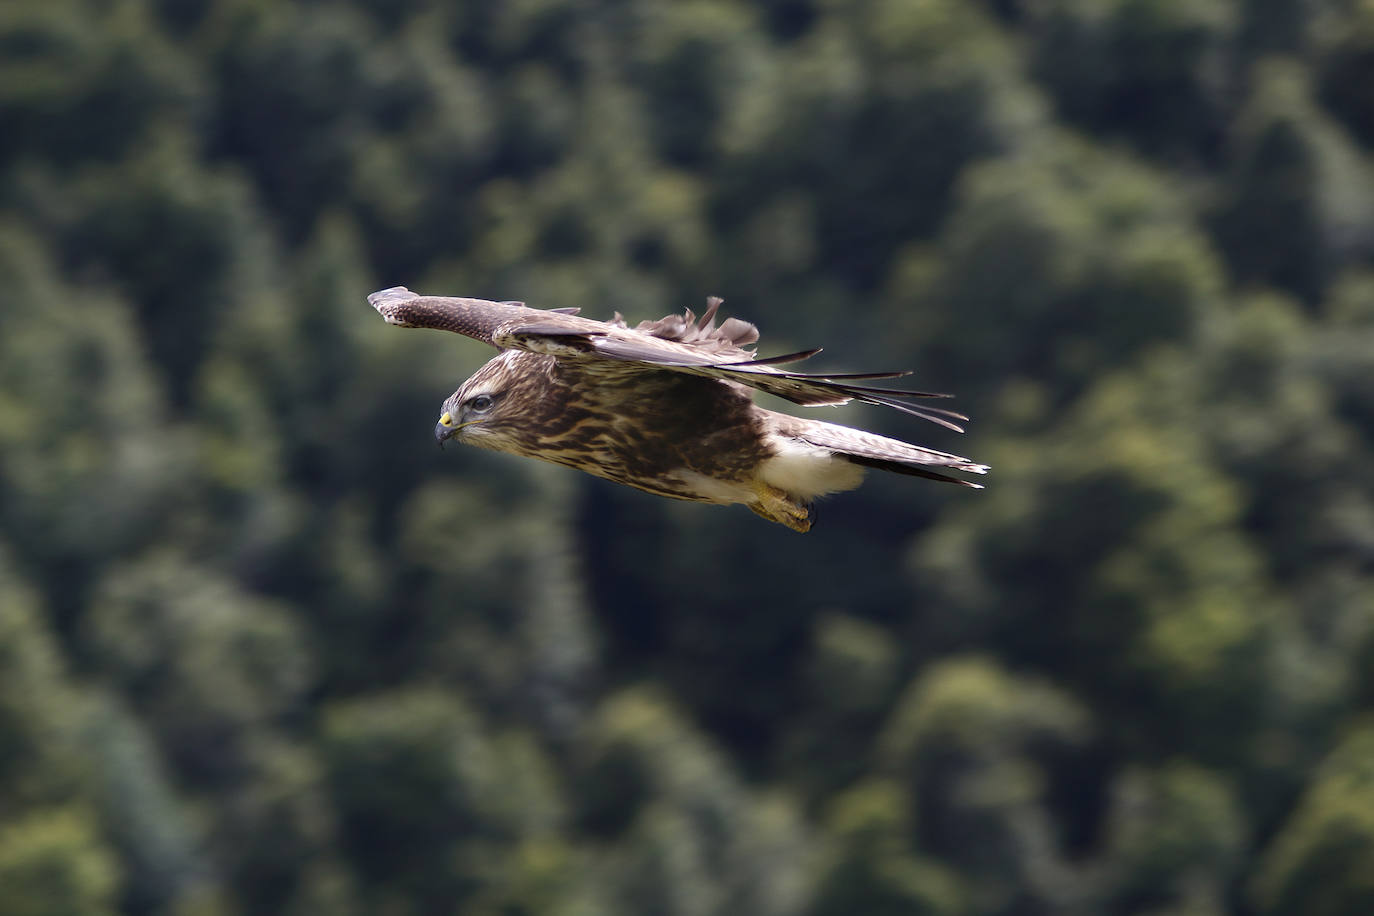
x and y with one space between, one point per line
480 404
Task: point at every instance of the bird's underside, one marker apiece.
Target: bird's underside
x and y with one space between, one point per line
666 407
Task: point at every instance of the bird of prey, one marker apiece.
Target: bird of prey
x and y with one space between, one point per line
666 406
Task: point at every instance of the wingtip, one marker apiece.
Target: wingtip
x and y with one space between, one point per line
386 300
971 469
391 294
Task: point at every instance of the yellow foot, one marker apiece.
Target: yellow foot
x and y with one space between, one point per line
776 506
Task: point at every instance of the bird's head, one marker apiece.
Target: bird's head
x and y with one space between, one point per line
485 409
462 414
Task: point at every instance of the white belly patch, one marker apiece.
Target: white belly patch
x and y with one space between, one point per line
806 471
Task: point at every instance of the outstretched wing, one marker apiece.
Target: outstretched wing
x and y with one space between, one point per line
683 344
475 318
675 343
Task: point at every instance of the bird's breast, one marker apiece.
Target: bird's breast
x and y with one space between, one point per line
672 434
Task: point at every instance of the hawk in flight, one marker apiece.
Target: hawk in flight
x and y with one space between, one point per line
666 406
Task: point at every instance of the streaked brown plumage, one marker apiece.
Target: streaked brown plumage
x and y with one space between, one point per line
666 406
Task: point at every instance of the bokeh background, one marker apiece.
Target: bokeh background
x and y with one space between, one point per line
264 649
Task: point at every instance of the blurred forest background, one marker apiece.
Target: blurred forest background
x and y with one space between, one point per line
265 649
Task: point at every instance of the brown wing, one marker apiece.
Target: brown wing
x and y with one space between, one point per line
675 343
475 318
683 344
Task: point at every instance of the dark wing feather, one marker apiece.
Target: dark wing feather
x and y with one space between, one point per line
911 470
810 391
847 376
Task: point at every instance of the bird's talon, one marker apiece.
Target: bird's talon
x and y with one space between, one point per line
776 506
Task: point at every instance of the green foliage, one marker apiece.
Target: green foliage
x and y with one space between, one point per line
1174 832
38 761
1302 203
1348 63
976 744
81 81
263 649
53 864
1319 862
1155 71
876 870
1098 253
203 660
435 809
695 840
145 819
88 458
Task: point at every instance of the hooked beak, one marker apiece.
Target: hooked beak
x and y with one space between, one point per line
445 429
